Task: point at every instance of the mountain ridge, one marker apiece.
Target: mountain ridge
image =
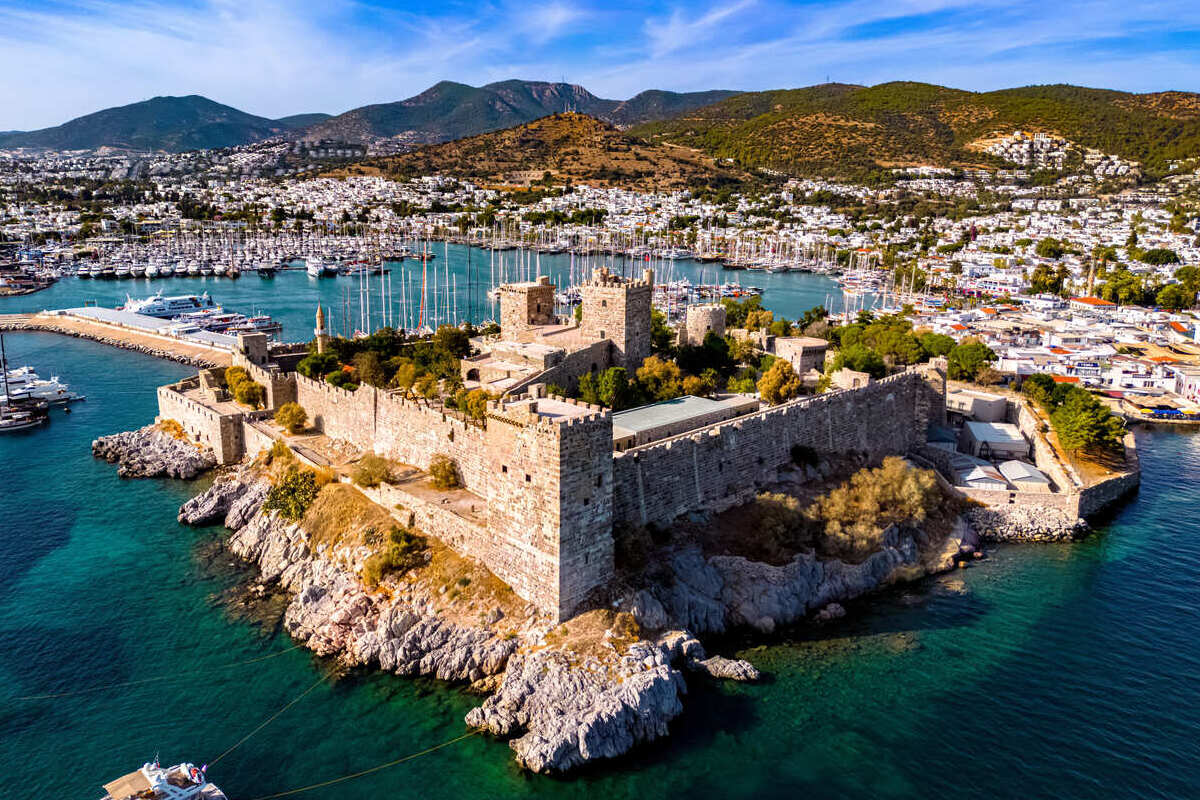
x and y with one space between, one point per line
844 130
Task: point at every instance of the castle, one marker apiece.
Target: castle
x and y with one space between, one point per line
543 483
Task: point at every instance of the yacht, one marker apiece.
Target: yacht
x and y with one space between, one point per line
168 307
153 782
151 270
11 421
319 267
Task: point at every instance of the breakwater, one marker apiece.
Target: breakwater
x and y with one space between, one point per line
137 341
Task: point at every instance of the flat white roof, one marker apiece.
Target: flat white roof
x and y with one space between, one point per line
995 432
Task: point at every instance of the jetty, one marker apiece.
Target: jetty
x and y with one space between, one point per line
130 332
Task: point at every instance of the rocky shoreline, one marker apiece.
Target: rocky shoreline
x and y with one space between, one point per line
1026 524
150 452
560 699
36 327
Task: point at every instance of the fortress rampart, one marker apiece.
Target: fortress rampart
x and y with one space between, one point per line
724 465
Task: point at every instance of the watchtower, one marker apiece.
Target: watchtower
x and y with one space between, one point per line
549 499
618 309
699 321
524 306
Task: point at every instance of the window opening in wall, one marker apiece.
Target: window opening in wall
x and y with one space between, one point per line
528 478
504 468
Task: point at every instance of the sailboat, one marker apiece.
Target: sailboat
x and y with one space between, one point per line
11 419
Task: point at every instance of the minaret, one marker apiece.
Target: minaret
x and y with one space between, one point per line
321 333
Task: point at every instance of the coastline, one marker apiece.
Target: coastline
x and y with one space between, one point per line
135 342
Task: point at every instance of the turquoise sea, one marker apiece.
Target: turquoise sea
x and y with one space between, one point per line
1057 671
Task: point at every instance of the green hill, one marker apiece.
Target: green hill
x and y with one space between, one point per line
161 123
845 130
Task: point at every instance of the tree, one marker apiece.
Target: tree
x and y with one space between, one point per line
293 494
936 344
1039 387
967 358
428 387
780 383
860 358
615 390
372 470
475 404
249 393
1158 256
316 365
405 377
292 417
661 380
1083 423
589 389
369 369
661 335
1050 248
1175 297
759 319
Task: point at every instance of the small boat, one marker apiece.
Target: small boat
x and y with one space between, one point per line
154 782
12 421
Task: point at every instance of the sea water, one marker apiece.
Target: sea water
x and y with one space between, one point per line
1044 671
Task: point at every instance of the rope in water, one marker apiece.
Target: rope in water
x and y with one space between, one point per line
275 716
361 773
161 679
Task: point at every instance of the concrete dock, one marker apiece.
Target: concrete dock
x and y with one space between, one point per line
129 331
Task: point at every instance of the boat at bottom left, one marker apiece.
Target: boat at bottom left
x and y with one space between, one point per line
154 782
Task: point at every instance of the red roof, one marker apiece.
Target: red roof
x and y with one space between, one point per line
1059 351
958 327
1092 301
1179 327
1064 379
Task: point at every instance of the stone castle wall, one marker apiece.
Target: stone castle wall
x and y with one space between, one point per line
220 432
407 431
617 309
724 465
598 356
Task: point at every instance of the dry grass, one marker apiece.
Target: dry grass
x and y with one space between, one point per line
173 429
341 514
586 634
469 587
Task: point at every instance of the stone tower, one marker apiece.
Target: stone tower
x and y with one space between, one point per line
524 306
619 309
699 320
549 498
320 332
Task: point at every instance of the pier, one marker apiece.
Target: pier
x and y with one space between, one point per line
128 331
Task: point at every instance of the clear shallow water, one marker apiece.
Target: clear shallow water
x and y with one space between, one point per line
291 296
1065 671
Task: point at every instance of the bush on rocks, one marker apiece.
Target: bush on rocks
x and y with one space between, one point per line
293 494
404 550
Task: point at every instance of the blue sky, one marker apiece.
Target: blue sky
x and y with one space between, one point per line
63 58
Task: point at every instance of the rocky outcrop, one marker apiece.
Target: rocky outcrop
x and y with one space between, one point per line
213 505
150 453
715 594
564 713
1025 524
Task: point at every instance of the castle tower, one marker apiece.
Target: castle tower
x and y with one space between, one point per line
618 309
549 499
524 306
320 332
699 321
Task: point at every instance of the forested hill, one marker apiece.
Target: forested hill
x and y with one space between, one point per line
841 129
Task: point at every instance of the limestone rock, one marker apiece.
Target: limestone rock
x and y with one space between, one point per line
728 668
563 716
214 504
150 453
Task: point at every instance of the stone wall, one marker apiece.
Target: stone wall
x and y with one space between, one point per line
619 309
597 356
724 465
524 306
408 431
221 432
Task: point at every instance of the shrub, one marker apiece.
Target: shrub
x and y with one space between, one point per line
173 428
292 417
249 393
404 550
856 514
631 546
372 470
444 472
279 452
776 527
293 494
779 383
234 376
